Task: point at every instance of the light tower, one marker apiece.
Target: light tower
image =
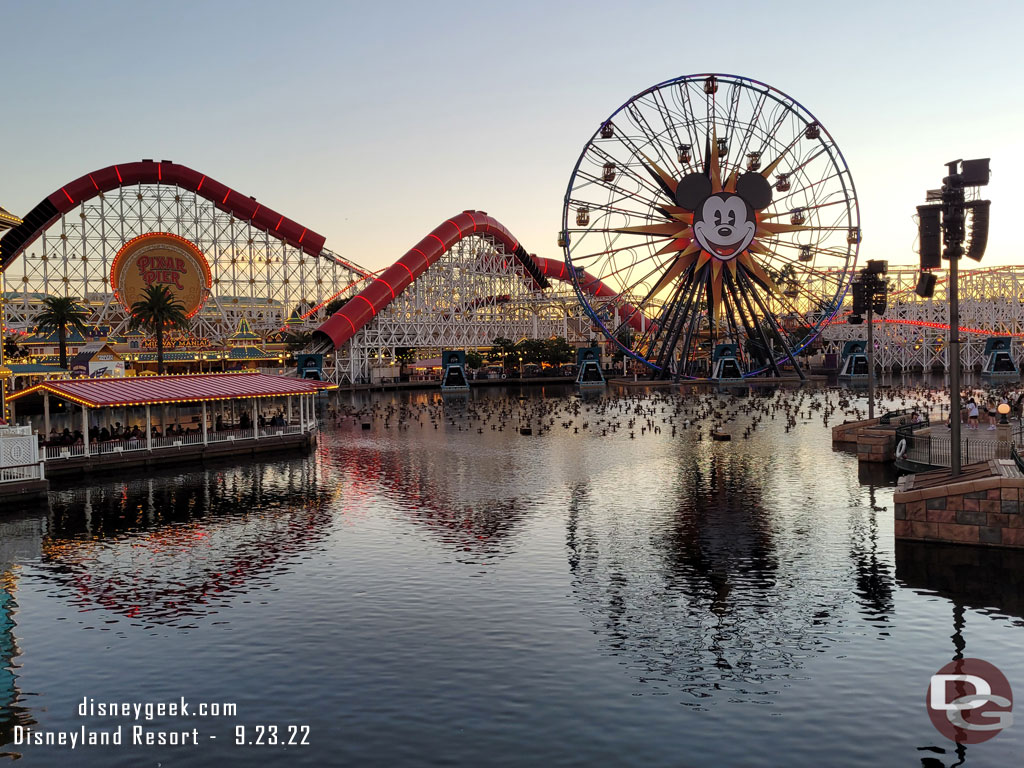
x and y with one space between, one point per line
953 209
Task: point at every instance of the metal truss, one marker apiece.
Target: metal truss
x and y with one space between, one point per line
255 276
473 294
913 332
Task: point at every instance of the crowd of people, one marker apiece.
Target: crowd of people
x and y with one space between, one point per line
123 433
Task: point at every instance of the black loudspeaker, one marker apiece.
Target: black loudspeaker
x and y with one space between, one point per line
856 320
930 231
860 300
975 173
979 229
925 285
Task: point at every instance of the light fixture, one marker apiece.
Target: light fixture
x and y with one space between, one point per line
1004 409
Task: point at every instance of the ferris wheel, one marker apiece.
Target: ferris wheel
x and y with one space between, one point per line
711 215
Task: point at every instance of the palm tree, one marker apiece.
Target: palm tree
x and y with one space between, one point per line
157 311
60 313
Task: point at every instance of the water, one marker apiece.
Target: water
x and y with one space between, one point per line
421 596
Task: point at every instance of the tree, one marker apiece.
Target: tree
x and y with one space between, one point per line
405 354
157 311
12 349
559 351
474 360
625 338
335 305
506 350
532 350
59 314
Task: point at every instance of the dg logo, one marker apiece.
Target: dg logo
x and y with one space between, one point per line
970 701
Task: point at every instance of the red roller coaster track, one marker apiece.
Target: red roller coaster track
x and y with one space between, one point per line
94 184
384 288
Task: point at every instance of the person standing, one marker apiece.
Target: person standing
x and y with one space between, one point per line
972 414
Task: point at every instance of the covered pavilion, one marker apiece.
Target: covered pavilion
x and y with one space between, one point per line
168 412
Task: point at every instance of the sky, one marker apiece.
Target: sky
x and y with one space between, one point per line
372 123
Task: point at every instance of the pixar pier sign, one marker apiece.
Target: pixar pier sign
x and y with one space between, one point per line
160 258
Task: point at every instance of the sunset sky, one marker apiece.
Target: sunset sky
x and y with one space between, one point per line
372 123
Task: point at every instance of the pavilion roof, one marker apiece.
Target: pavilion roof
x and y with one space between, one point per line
244 332
250 353
39 337
8 219
150 390
30 368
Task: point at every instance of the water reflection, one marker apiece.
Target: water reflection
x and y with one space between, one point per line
985 579
713 598
173 548
465 493
874 584
19 538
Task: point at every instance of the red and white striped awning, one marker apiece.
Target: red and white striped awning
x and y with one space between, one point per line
158 390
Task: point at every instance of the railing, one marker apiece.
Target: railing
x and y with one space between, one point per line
117 446
64 451
1016 458
16 472
936 450
114 447
284 429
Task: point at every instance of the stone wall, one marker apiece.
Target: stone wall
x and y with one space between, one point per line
847 431
876 445
987 512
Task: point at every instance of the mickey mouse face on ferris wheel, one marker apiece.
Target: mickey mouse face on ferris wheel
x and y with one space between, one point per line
724 223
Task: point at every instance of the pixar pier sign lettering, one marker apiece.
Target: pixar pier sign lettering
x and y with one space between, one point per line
969 701
160 258
162 269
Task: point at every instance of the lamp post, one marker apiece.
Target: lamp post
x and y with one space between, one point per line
520 366
870 291
1003 427
953 209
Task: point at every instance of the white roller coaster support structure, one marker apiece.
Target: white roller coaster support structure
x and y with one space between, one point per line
473 294
912 334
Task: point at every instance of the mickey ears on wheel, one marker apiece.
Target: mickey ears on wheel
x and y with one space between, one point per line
694 188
